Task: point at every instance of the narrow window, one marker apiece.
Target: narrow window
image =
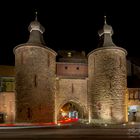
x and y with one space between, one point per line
111 112
29 113
20 110
131 96
48 60
110 84
94 63
134 96
21 57
72 88
120 62
35 80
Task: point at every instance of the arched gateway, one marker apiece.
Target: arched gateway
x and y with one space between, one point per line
71 110
49 88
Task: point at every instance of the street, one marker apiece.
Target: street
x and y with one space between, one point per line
69 133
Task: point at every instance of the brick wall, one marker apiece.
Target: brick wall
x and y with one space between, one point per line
72 69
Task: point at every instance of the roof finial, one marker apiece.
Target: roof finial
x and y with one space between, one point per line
104 19
36 15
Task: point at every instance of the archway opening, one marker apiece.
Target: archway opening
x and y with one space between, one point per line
70 110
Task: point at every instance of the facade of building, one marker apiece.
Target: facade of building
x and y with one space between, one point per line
43 88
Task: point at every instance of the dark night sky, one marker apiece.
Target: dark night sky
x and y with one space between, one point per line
70 25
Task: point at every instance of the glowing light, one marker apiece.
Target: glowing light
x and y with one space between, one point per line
132 123
69 54
133 108
124 124
105 125
64 114
58 124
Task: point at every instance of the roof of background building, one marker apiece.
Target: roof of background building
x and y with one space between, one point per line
7 70
71 56
134 60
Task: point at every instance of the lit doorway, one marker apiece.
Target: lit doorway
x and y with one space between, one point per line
70 110
134 113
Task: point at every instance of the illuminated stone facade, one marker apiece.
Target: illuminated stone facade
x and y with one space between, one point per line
96 84
35 83
107 84
72 90
107 80
7 106
35 79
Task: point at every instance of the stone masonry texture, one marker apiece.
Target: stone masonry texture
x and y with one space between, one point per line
72 90
107 85
35 84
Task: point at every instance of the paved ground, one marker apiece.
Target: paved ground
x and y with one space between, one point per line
68 132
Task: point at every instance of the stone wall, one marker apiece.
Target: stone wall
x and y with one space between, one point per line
7 106
134 101
72 90
72 69
35 84
107 85
133 96
7 71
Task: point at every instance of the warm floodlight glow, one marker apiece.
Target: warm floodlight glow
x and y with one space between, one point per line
124 124
105 124
132 123
58 124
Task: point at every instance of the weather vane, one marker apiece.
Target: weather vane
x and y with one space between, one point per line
36 15
104 19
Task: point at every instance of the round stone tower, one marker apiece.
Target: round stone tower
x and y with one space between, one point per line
35 66
107 80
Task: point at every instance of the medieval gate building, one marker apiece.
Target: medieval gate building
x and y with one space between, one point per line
74 85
